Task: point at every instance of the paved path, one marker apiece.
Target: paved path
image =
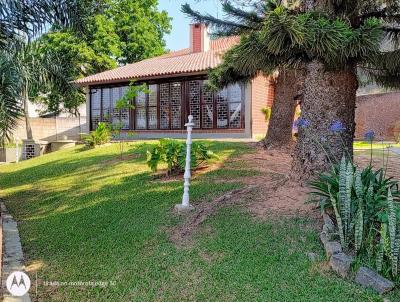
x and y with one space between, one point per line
395 150
12 256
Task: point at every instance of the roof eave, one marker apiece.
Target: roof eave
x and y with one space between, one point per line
124 80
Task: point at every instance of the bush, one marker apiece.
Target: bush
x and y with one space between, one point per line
267 113
173 153
365 206
100 136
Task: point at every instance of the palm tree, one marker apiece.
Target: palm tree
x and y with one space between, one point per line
10 85
21 22
20 19
332 41
288 83
36 70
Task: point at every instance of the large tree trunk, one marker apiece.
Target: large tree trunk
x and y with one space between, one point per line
289 86
329 96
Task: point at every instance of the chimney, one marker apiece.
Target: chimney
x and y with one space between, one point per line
199 39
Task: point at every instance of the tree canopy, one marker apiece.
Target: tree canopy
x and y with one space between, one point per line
24 68
123 32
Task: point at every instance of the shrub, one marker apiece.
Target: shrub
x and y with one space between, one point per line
267 113
173 153
364 204
100 136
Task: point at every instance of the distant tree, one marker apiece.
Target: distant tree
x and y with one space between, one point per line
140 28
10 108
23 68
22 19
123 32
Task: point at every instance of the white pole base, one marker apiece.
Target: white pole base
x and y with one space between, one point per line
180 208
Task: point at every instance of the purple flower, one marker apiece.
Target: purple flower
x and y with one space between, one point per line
323 139
369 136
337 127
301 123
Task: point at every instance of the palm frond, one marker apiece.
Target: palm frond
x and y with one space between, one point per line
10 106
20 19
221 27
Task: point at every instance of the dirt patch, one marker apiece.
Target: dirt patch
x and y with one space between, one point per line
181 235
391 162
277 194
268 192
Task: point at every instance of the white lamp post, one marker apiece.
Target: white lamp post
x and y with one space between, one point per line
185 205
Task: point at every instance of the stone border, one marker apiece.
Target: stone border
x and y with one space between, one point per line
12 256
341 263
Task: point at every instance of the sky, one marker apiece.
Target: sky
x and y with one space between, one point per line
179 36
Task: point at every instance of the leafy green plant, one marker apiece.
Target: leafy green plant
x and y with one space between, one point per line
267 113
364 204
100 136
125 104
173 154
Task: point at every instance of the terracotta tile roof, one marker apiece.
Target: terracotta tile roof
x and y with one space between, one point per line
173 63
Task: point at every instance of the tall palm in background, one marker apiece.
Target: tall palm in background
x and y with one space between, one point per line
37 70
10 87
332 41
24 69
288 82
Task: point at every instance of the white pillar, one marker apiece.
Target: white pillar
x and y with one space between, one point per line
185 206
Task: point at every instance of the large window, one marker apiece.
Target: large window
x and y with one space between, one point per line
167 105
229 107
171 105
146 109
103 107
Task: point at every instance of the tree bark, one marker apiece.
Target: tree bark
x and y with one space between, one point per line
329 96
29 134
288 89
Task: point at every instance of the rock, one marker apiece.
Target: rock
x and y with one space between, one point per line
313 257
332 248
183 209
369 278
323 237
341 264
328 223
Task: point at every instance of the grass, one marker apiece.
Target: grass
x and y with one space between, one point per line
360 145
85 216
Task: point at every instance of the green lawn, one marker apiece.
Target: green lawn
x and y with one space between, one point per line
85 216
359 145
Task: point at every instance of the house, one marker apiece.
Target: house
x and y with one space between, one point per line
176 83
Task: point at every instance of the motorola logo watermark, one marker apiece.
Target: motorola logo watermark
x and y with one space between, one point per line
18 283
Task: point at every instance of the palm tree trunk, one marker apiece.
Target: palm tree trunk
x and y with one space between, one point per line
29 134
289 86
329 96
